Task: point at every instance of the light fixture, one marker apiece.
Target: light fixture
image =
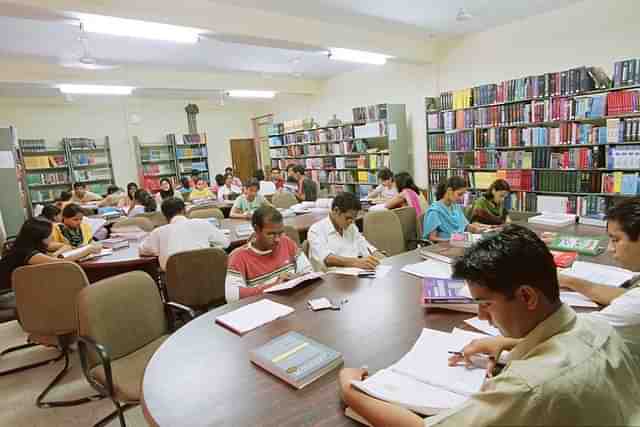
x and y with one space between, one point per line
138 29
94 89
251 93
463 15
360 56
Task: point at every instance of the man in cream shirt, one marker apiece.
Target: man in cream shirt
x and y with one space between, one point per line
181 234
563 370
336 242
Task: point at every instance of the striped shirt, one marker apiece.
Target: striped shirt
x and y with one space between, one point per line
248 268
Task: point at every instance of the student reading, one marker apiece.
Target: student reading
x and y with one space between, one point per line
336 242
565 370
489 209
73 231
445 216
247 203
81 195
408 195
269 258
386 189
180 234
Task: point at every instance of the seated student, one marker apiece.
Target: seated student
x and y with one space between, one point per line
114 195
52 213
237 182
445 217
386 189
31 247
128 202
276 177
290 172
408 195
336 242
565 370
73 231
201 191
291 186
489 209
269 258
246 204
180 234
229 190
185 187
63 200
216 185
307 189
82 196
166 192
144 203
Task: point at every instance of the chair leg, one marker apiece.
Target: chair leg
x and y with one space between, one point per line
119 413
31 365
52 404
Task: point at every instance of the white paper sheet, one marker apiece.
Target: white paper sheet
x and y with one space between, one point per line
252 316
598 273
290 284
429 268
575 299
484 326
381 271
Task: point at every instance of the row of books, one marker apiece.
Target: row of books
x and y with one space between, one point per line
619 130
565 134
44 162
623 102
338 133
435 121
158 169
573 158
193 166
458 119
344 147
460 141
350 177
438 161
81 143
622 183
291 126
370 113
92 174
623 157
373 129
182 153
42 196
32 145
88 159
460 160
626 73
155 155
439 175
194 138
47 178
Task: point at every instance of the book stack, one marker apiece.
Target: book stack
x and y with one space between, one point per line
623 102
485 94
626 73
623 157
583 245
487 159
196 138
369 113
435 121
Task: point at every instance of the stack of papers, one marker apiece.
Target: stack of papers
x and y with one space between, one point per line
252 316
598 273
429 268
553 219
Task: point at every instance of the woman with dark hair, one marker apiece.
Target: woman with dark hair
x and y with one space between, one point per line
30 248
73 231
166 191
144 203
64 199
408 194
113 197
259 175
52 213
445 217
489 209
128 202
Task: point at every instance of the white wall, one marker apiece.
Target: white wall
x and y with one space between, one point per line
53 119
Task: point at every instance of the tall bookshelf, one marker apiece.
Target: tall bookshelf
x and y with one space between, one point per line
570 135
191 155
90 163
345 156
156 160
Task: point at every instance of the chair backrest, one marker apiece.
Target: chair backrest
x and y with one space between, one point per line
123 313
206 213
142 223
409 222
157 218
292 233
46 297
197 278
284 200
267 188
305 248
384 231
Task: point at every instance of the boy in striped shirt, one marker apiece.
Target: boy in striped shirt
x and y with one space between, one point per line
269 258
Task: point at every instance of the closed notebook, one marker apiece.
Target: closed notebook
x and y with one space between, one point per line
254 315
581 244
296 359
448 294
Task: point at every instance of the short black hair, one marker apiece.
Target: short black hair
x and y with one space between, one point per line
65 196
219 179
171 207
228 168
112 189
346 202
49 212
71 210
259 175
77 185
509 259
385 174
144 198
299 169
253 183
627 214
264 214
497 185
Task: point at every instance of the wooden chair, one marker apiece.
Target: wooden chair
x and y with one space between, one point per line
196 278
142 223
409 222
384 231
122 322
206 213
157 218
284 200
292 233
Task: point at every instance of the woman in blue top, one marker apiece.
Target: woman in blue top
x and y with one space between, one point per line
445 216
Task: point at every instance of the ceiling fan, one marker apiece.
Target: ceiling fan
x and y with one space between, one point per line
86 61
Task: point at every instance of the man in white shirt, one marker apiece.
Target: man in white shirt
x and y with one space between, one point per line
622 303
81 195
181 234
336 242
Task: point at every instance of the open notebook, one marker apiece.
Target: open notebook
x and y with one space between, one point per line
422 381
290 284
598 273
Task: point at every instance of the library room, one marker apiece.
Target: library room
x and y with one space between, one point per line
321 213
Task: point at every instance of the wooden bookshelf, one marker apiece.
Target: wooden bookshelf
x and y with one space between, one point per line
558 130
345 156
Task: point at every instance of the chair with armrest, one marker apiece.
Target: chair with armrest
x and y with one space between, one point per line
196 278
143 224
283 200
122 321
206 213
157 218
46 301
409 222
384 231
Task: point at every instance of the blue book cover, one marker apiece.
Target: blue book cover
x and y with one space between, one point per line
629 184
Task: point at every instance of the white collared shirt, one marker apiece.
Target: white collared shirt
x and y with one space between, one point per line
324 240
181 235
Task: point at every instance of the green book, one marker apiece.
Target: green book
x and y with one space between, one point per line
585 245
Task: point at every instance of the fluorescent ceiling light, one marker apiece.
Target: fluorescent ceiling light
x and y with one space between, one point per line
139 29
252 93
95 89
350 55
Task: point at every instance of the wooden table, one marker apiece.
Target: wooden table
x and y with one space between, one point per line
121 261
201 376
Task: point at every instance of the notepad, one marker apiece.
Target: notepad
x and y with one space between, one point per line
290 284
483 326
429 268
598 273
252 316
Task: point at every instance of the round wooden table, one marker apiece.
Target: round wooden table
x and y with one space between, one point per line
121 261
